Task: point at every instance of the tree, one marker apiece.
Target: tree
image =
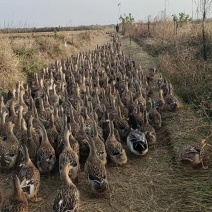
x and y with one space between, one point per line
126 23
180 20
205 8
55 33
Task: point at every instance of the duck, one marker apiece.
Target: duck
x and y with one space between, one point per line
98 108
132 118
136 140
72 140
27 95
45 154
99 143
12 114
73 123
154 116
141 100
54 98
60 139
152 73
146 88
105 125
31 145
82 85
68 196
22 102
17 202
37 86
58 119
160 102
52 132
33 134
22 137
206 153
30 109
95 170
114 148
3 124
164 86
124 110
49 108
121 125
159 80
87 121
37 124
148 130
69 156
11 97
43 113
20 129
82 138
3 108
171 101
29 177
139 114
190 155
9 149
76 96
125 97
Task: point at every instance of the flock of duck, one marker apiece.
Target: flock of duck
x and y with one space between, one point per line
78 112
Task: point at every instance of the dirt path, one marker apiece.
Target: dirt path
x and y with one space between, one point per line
153 183
174 189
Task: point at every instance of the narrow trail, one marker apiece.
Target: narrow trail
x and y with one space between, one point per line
176 189
145 183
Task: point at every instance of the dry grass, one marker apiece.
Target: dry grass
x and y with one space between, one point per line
153 183
180 60
9 66
183 191
26 53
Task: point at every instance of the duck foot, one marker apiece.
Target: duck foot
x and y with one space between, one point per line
36 199
203 166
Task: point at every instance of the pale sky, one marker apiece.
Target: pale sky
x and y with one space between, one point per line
41 13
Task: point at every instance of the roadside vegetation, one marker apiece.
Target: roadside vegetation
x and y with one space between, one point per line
179 56
179 47
22 54
176 47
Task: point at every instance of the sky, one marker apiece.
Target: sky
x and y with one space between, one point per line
45 13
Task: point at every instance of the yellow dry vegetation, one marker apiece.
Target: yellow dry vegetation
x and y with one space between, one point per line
26 53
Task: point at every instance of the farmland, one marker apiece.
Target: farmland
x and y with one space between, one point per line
156 181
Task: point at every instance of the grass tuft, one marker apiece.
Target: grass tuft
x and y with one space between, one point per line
10 69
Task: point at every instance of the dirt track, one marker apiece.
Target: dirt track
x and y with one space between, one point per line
152 183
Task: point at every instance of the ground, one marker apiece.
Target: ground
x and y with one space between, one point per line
153 183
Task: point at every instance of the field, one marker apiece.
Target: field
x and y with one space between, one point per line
26 53
156 182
